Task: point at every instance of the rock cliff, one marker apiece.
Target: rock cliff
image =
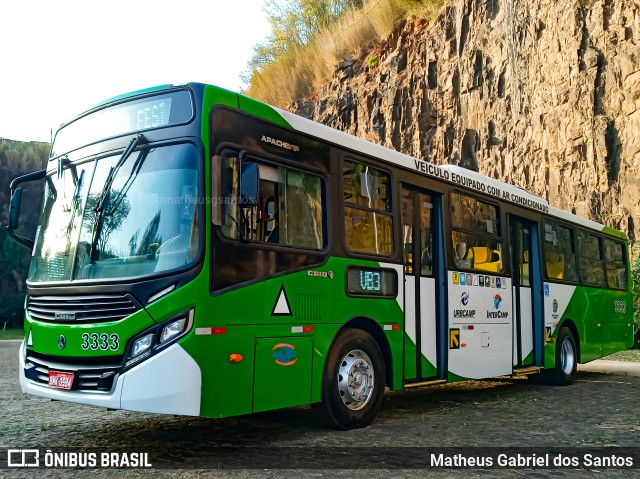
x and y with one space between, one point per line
538 93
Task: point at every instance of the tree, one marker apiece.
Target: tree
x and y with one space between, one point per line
293 23
111 219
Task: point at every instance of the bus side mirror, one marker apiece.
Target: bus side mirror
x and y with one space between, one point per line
14 209
249 180
14 205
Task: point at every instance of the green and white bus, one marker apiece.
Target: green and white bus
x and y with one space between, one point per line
201 253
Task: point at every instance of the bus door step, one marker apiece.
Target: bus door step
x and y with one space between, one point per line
526 371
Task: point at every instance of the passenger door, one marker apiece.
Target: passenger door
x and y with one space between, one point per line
527 292
421 232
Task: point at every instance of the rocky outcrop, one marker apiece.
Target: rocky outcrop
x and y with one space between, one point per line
542 94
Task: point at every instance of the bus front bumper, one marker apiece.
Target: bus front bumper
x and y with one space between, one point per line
167 383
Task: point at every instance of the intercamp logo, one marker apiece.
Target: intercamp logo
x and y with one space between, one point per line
23 458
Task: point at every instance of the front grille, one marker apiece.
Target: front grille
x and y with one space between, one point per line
90 375
91 309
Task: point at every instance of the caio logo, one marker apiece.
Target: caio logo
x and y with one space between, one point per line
23 458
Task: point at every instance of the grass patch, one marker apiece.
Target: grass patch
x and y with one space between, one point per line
297 71
11 334
630 355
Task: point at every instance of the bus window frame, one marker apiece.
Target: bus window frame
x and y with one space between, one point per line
625 261
391 189
600 238
506 270
275 161
572 228
195 265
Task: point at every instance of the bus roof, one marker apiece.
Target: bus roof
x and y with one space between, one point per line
451 173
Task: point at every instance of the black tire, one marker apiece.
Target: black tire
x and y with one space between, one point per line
341 408
566 366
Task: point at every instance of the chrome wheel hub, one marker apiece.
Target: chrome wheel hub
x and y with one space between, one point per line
355 379
567 357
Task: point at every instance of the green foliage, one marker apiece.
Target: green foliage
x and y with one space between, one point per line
12 310
293 23
373 60
310 37
18 158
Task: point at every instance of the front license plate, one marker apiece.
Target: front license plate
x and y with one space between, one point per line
60 380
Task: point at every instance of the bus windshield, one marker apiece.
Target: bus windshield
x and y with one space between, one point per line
149 222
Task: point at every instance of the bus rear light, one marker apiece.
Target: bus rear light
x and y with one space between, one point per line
235 358
391 327
218 330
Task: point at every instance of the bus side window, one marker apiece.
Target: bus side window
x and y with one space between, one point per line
590 252
616 262
476 236
289 210
560 253
368 220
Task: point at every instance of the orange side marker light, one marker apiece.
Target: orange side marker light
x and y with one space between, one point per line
235 358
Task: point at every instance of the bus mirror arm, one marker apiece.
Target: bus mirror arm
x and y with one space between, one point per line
14 206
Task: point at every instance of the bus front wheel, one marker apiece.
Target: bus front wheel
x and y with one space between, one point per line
353 382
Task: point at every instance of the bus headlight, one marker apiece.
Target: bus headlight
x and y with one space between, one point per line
171 330
141 345
156 338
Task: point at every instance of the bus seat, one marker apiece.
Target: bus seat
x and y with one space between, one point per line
487 259
461 250
555 265
481 254
463 255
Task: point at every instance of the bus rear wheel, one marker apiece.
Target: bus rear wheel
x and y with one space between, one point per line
566 366
353 382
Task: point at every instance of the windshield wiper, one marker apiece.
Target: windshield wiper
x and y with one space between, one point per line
98 210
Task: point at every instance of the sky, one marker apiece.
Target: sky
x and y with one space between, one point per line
61 57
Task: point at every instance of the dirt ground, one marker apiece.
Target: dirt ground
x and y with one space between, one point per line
597 410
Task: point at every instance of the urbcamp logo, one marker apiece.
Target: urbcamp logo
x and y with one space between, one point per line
464 298
62 342
497 299
284 354
555 306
